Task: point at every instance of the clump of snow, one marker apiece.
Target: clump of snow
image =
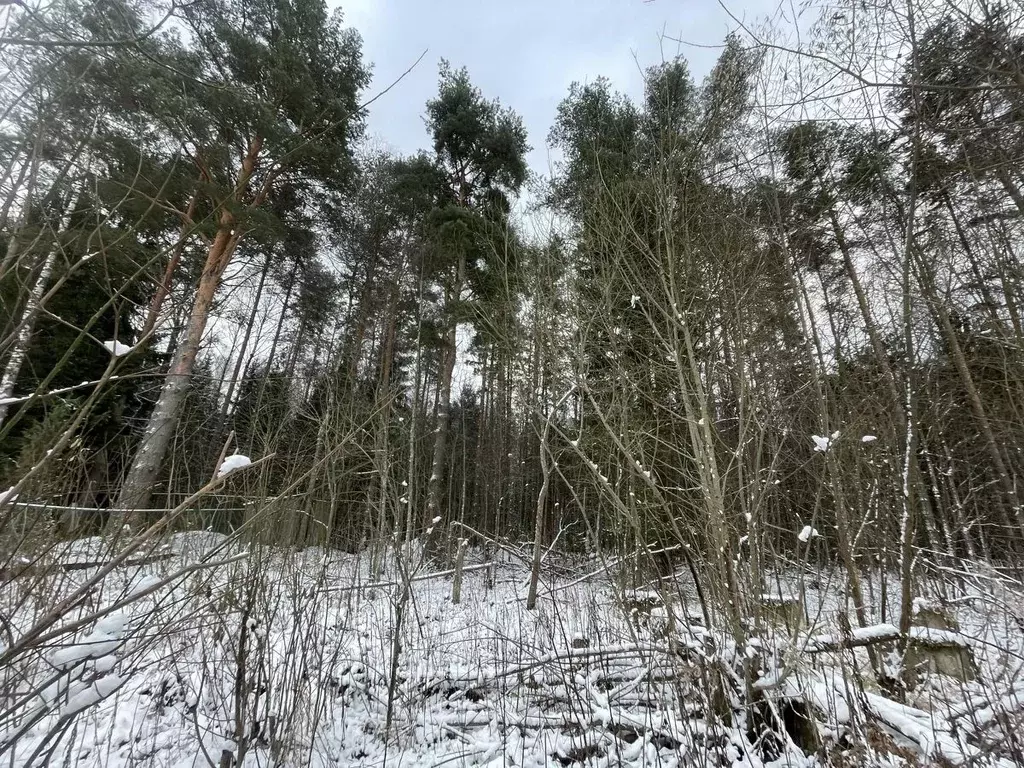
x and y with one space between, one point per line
822 444
102 641
117 349
233 462
145 583
868 439
91 695
807 533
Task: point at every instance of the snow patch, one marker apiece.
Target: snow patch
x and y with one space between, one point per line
101 642
822 444
143 584
91 695
807 533
233 462
117 349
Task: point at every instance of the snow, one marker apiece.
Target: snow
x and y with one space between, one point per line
102 641
8 496
117 349
807 533
143 584
233 462
822 444
939 636
868 439
91 695
481 683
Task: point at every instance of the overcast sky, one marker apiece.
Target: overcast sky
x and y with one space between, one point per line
526 52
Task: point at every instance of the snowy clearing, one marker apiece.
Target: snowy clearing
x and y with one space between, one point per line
290 658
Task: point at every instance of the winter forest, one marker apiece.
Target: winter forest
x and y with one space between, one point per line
704 448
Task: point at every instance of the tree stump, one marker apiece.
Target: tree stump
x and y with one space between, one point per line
933 653
787 610
935 647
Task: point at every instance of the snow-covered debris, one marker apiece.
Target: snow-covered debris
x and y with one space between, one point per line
807 533
868 439
233 462
117 349
8 496
858 636
822 444
884 632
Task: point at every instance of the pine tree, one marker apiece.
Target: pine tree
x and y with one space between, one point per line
480 149
273 99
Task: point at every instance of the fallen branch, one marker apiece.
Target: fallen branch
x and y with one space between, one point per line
36 569
424 577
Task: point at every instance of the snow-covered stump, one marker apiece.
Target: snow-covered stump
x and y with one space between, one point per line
937 651
926 650
785 610
934 616
939 657
936 647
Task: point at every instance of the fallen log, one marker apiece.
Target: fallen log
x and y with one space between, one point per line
884 633
26 569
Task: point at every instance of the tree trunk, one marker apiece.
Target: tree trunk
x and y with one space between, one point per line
437 464
447 368
540 515
973 396
24 337
877 348
156 440
163 288
149 458
239 364
27 324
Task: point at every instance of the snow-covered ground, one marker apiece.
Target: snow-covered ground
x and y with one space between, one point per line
308 658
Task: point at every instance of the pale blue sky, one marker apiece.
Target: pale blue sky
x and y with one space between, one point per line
527 52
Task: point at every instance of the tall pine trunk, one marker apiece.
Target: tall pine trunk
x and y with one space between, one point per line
137 489
435 484
444 401
149 458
